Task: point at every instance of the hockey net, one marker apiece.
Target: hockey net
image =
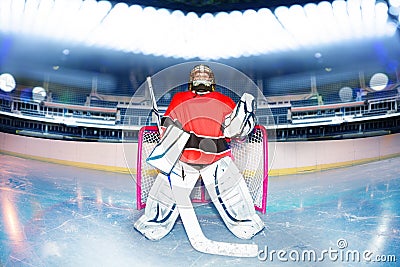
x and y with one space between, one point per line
250 155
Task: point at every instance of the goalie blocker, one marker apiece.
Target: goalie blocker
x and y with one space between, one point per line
169 149
242 119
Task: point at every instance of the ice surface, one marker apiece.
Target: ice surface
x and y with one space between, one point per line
54 215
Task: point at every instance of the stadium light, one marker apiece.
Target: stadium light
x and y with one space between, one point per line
379 81
38 94
7 82
339 9
88 18
148 30
346 94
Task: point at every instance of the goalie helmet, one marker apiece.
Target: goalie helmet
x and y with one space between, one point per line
201 79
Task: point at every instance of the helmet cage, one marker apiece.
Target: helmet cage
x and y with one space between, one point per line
201 75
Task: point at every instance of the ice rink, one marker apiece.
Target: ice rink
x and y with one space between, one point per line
55 215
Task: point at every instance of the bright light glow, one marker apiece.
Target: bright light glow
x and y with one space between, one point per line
346 94
390 28
381 15
368 12
222 25
250 38
38 94
89 21
12 226
7 82
153 31
4 15
394 11
165 37
283 15
233 36
30 11
190 22
68 26
354 10
302 29
379 81
264 17
384 226
339 8
133 32
394 3
39 24
99 196
115 18
330 32
16 14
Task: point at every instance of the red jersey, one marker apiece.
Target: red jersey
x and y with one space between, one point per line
201 116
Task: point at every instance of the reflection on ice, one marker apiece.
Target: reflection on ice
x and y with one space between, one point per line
12 225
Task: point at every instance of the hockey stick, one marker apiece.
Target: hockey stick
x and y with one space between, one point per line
196 236
154 104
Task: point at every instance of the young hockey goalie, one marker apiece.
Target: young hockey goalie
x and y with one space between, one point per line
197 127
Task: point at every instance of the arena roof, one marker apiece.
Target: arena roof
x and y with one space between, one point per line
33 56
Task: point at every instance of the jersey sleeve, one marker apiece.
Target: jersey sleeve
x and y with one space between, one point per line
169 116
227 100
174 102
231 103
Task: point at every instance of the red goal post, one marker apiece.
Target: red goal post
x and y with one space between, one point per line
250 155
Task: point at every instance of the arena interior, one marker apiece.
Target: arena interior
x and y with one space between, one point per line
77 122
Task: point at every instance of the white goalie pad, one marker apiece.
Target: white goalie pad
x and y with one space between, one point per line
195 234
242 119
169 149
232 198
161 211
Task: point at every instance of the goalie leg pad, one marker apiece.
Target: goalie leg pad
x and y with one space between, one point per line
230 195
196 236
242 119
161 212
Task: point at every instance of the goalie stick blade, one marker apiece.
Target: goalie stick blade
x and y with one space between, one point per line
205 245
196 236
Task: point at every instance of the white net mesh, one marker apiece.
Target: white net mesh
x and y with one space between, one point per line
249 155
